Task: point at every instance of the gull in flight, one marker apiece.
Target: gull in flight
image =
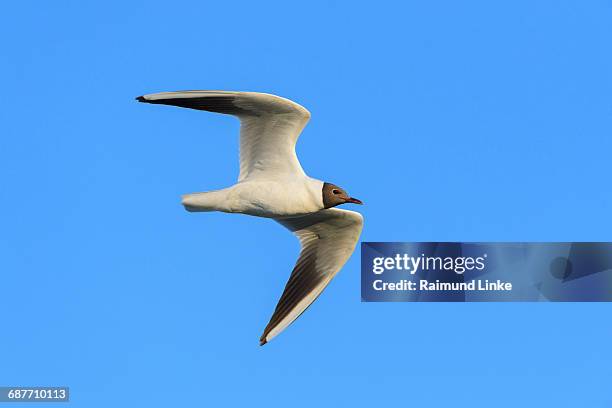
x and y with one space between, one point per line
272 184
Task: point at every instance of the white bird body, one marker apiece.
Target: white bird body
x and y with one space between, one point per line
272 184
276 198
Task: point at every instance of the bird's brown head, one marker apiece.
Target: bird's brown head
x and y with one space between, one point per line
334 195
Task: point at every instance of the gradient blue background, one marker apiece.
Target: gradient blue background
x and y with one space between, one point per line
464 121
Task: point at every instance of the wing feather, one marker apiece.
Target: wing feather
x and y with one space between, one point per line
269 127
328 238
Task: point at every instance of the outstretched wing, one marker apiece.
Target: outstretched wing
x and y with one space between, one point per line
328 238
269 127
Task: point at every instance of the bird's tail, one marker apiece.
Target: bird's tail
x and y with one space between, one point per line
206 201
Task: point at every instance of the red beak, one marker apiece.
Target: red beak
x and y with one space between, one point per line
354 200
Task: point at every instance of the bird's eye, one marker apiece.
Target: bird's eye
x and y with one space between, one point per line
336 191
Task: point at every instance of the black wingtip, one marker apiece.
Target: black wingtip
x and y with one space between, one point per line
141 99
262 341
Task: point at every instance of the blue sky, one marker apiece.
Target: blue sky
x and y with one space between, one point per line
474 120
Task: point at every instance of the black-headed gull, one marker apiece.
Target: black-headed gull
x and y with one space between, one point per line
272 184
